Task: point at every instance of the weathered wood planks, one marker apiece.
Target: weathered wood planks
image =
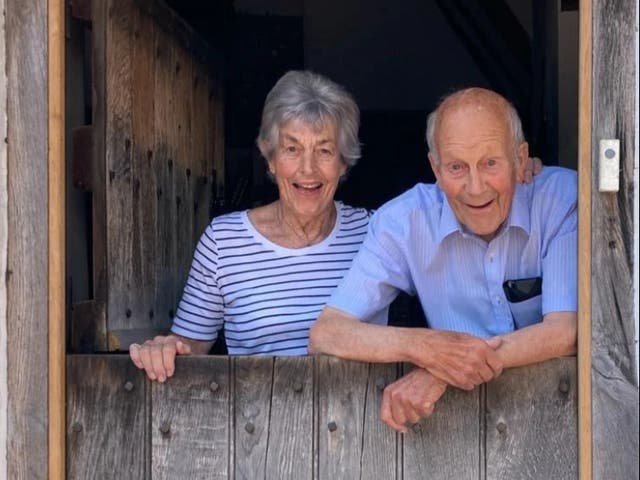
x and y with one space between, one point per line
311 418
156 120
614 393
108 413
531 429
26 277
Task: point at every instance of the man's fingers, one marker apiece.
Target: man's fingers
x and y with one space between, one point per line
157 363
494 342
386 415
168 358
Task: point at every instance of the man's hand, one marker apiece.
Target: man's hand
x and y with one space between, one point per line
458 359
410 398
157 356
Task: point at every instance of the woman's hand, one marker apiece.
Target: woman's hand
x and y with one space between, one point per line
157 356
532 168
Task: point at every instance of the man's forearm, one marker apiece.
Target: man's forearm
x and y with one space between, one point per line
554 337
342 335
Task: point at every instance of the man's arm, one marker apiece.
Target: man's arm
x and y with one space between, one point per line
554 337
458 359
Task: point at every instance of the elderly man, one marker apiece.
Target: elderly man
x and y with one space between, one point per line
475 248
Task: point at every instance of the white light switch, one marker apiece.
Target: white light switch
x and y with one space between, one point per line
609 164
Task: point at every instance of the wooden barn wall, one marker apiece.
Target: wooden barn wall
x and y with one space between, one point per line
26 275
614 381
311 418
158 141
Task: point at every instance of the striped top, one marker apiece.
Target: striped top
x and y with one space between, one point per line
416 244
265 295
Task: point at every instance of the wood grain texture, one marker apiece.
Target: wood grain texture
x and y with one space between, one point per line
190 428
107 414
447 444
144 207
614 388
253 381
119 162
56 225
584 243
164 152
380 444
26 274
99 179
290 442
341 414
531 430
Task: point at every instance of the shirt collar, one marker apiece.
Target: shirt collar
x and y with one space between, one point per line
518 216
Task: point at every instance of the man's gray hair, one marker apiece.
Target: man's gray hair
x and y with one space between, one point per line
513 120
314 100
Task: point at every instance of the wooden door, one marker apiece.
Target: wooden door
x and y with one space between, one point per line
155 149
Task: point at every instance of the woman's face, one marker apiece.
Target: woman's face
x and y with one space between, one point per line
307 167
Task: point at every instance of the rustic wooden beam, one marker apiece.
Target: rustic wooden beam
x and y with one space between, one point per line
80 9
56 40
584 242
27 263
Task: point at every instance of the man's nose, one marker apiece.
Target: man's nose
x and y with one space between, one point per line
475 184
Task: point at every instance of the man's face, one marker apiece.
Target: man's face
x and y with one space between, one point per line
476 168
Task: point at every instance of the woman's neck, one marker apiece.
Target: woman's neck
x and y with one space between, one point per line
283 227
305 231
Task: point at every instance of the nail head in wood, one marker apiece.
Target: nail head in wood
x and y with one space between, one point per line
76 427
380 383
165 428
128 386
564 386
501 427
213 386
297 387
249 427
332 426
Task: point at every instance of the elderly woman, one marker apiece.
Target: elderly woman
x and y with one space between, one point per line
266 273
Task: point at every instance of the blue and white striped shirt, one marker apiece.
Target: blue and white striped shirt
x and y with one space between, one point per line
416 244
267 296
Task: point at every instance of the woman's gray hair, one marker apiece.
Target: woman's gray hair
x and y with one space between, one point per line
314 100
513 120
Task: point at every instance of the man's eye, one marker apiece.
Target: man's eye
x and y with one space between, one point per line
492 162
291 149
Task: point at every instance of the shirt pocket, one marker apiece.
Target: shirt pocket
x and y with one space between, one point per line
527 312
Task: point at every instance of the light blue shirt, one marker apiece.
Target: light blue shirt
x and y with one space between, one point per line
416 244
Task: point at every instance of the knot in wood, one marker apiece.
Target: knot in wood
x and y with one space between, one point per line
332 426
501 427
249 427
128 386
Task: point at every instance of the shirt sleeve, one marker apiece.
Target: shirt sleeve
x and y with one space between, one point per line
560 247
200 312
379 270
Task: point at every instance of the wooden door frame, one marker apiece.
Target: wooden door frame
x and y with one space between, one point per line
56 242
56 222
584 240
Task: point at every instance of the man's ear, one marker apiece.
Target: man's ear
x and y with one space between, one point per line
523 159
434 165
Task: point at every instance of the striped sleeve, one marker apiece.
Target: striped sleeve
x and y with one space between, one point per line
200 312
